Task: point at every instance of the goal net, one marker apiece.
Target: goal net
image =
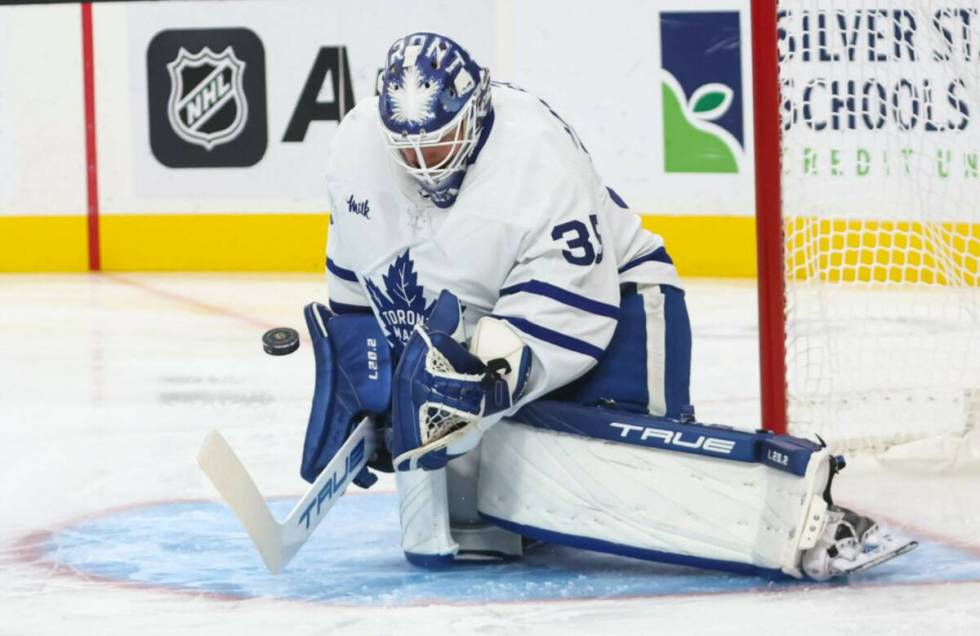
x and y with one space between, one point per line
880 214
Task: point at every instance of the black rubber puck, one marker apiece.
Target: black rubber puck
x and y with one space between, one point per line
280 341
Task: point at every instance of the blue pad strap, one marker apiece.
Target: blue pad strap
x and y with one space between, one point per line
782 452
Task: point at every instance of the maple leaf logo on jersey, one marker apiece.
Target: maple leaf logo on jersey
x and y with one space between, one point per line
411 103
404 305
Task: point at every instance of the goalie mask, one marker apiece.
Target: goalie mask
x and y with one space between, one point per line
433 102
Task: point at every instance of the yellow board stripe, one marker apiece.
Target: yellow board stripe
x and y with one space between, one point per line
701 245
214 242
43 244
718 246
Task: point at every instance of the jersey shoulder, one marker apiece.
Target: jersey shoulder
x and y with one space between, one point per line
529 124
531 169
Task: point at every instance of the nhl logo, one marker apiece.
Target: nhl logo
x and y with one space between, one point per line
207 103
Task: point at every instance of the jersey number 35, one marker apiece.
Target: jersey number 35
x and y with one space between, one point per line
579 241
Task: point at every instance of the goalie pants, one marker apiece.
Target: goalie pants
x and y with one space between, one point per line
647 365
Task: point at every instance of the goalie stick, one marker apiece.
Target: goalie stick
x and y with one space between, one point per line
277 542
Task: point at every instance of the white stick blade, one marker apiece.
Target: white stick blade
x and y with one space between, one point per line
222 466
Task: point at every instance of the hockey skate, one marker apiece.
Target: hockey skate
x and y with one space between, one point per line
851 543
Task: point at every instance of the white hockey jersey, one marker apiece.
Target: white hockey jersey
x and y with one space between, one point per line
534 238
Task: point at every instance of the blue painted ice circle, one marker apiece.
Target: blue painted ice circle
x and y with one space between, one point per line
354 558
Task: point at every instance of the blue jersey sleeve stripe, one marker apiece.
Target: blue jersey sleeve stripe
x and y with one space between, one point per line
344 308
563 296
554 337
658 255
618 200
340 272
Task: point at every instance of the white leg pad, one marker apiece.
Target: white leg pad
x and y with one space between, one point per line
423 510
649 500
439 519
477 539
462 475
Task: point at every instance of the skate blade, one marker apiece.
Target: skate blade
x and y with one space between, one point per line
880 555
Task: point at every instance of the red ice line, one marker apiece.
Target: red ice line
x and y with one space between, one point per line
190 301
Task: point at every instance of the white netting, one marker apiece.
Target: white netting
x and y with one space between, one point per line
881 214
438 420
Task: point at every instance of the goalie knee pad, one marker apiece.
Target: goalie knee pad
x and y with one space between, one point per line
656 488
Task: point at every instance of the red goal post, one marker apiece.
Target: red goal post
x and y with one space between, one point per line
769 245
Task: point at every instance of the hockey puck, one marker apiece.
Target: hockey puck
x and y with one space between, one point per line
280 341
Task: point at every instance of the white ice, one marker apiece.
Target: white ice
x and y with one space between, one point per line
108 383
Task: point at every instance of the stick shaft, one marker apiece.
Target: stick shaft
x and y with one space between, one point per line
329 485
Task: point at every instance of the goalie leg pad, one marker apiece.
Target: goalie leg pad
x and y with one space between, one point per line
655 488
439 519
478 540
423 510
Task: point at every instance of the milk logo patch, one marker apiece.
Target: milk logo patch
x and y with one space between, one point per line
206 98
207 103
360 208
701 83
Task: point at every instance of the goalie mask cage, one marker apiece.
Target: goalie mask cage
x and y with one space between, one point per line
867 139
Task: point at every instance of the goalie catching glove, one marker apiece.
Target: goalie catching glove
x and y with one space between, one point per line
444 396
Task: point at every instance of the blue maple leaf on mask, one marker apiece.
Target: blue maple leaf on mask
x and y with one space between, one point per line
404 304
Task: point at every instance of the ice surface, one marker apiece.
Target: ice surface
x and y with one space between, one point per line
108 383
355 560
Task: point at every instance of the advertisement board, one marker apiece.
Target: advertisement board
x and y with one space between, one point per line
213 119
42 140
880 108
